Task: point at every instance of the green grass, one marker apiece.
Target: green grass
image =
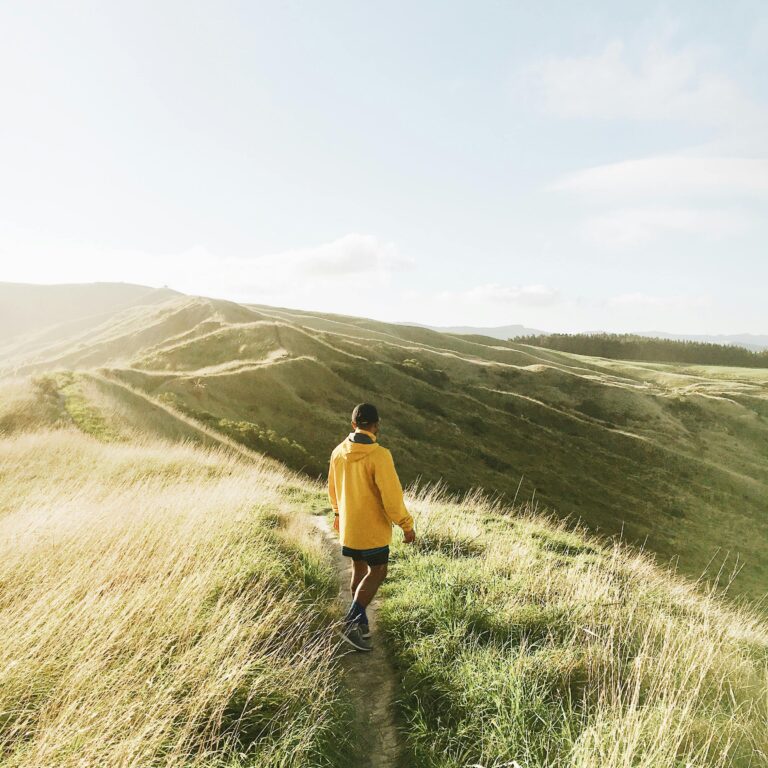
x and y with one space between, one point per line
518 639
80 410
660 456
254 436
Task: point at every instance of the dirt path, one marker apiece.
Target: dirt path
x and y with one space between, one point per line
369 676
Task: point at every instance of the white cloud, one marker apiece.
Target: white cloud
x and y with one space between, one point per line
523 296
652 84
526 295
323 276
639 300
697 191
634 226
351 255
671 175
334 276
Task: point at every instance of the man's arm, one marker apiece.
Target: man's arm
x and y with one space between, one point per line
388 483
332 496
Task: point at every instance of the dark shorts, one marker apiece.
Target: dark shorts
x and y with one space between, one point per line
376 556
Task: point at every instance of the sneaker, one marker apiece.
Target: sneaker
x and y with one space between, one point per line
351 634
365 630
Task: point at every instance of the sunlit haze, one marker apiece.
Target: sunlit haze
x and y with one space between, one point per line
564 167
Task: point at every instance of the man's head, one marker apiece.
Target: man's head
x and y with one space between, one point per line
365 416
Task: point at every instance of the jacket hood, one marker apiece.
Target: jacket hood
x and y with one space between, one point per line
355 451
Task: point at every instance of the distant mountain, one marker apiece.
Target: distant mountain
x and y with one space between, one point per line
756 342
495 332
655 454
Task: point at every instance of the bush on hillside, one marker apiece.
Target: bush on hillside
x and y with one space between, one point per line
252 435
434 376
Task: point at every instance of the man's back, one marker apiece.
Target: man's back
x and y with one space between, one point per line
365 491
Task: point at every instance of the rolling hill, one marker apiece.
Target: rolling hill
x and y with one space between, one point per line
495 332
668 456
32 309
168 601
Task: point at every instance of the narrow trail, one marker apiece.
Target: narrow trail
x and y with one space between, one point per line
370 677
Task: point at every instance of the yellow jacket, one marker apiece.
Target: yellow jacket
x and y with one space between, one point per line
365 491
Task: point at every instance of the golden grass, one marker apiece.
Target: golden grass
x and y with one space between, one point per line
27 405
153 612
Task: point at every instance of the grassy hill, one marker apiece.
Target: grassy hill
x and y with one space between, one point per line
669 455
165 601
161 605
33 310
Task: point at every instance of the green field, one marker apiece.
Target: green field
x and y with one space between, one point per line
166 601
169 604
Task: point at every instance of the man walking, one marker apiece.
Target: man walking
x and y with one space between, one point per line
367 498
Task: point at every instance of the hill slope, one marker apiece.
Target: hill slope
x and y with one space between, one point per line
524 641
30 309
669 455
161 605
169 604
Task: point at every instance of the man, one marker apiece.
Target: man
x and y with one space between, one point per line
367 498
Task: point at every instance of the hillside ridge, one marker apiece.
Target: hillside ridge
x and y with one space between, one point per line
668 455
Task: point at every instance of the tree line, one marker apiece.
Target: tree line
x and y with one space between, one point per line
628 346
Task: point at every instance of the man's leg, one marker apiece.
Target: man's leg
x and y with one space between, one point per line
356 612
370 583
366 580
359 572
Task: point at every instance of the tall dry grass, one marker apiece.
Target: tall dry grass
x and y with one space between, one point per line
154 611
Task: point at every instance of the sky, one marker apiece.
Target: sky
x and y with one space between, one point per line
567 166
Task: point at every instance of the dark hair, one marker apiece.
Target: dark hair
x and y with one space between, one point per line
364 414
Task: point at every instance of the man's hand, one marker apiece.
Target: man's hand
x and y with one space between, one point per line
409 536
336 523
